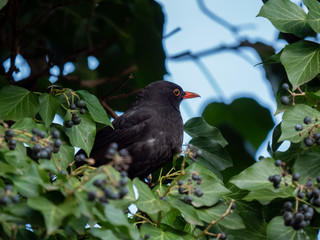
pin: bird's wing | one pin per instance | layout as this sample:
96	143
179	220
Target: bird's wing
126	131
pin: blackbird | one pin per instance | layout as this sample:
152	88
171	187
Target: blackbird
151	130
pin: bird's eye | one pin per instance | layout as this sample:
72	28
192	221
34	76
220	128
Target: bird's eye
176	92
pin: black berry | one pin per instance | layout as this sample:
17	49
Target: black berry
91	196
295	176
300	195
108	193
98	182
188	199
123	192
57	143
278	163
287	206
82	111
285	86
81	103
68	124
180	182
73	106
223	236
307	120
76	121
308	141
9	133
285	100
298	127
55	134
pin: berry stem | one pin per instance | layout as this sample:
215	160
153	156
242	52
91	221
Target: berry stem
227	212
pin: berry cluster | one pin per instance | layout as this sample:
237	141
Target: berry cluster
43	147
310	192
188	188
314	137
275	179
7	196
121	159
8	137
106	193
193	153
75	119
297	219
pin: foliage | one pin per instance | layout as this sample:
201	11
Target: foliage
215	188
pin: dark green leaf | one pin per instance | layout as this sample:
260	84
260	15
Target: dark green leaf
198	127
301	62
276	230
286	16
3	3
147	202
48	108
82	135
65	156
53	214
313	17
231	221
212	152
157	233
17	103
308	166
96	111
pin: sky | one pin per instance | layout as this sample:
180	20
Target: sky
232	75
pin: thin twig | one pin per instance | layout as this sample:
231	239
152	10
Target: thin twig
109	110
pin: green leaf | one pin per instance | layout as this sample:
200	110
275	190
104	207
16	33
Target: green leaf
294	116
313	17
17	103
82	135
301	61
158	233
287	17
96	111
265	196
65	156
53	214
256	176
117	218
3	3
147	202
212	152
231	221
102	234
210	185
308	166
48	108
276	230
198	127
189	212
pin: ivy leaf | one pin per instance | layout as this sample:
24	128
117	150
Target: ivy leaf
276	230
301	62
48	108
65	155
147	202
294	116
210	185
313	17
212	152
3	3
256	176
189	212
83	134
117	218
198	127
265	196
103	234
158	233
53	214
307	165
17	103
231	221
287	17
96	111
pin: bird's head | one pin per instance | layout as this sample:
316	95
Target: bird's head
164	93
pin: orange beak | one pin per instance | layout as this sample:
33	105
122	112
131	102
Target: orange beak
190	95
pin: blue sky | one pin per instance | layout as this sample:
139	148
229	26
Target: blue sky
234	73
